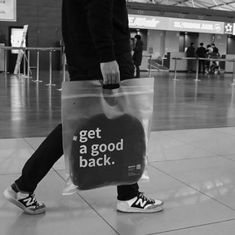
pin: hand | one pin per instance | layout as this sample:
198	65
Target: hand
110	72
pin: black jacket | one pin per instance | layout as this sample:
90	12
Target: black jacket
201	52
138	50
190	51
94	31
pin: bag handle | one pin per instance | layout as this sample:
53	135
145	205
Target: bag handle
111	86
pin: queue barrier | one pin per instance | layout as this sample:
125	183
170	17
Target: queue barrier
197	65
50	50
28	50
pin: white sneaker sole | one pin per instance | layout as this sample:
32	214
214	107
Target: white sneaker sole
18	204
136	210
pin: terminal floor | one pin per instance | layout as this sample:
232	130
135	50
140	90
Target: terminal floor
191	162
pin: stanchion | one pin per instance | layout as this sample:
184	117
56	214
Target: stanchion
64	69
28	64
150	59
233	84
5	62
50	70
24	64
175	67
197	71
38	64
196	91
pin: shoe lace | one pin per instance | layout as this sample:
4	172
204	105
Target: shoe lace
149	200
34	200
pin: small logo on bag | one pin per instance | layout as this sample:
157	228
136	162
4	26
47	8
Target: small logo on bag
138	167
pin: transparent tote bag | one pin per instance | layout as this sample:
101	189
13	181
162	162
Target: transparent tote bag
105	132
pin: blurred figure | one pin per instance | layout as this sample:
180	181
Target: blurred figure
215	49
190	52
137	56
201	53
214	65
209	50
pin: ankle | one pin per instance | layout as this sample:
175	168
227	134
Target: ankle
15	188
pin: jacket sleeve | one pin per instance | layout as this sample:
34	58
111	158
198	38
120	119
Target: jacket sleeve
100	22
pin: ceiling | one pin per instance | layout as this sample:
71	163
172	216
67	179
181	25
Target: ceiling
225	5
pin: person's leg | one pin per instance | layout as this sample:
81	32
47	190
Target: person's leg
138	71
203	66
129	197
200	66
21	193
127	192
190	69
42	160
127	69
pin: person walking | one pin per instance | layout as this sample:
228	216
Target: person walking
138	53
97	46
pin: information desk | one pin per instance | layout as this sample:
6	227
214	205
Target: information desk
176	59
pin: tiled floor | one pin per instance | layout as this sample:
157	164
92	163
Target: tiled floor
193	171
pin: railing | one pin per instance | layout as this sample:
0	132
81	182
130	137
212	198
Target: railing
197	65
28	50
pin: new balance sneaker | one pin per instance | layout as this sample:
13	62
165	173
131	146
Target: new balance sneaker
27	202
140	204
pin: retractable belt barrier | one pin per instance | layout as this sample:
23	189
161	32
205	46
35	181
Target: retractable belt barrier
28	50
197	65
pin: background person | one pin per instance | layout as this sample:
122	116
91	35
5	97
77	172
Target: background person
190	52
201	53
138	53
214	65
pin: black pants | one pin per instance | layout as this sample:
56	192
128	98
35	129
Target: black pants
51	149
137	68
201	68
190	65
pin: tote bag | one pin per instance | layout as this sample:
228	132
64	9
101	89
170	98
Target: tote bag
105	132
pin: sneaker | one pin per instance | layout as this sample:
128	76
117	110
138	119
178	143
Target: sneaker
27	202
140	204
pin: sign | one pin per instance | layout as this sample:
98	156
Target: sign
7	10
233	28
16	35
228	28
21	52
146	22
175	24
198	26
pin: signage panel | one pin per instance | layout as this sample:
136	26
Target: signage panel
198	26
228	28
21	52
175	24
7	10
233	28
